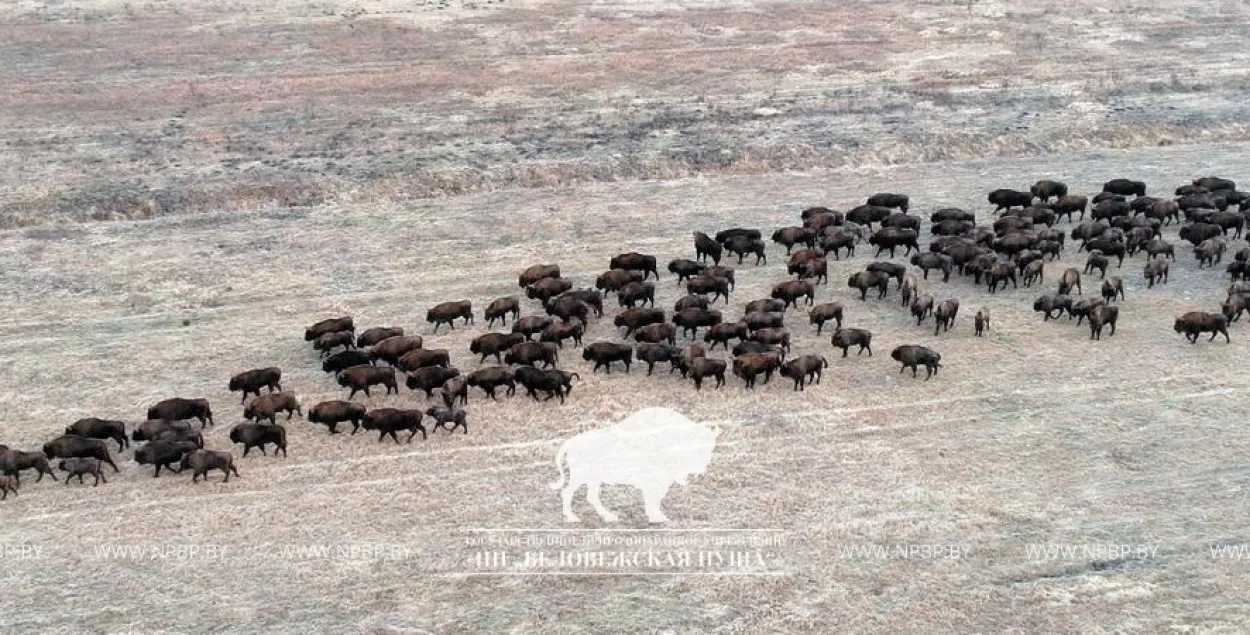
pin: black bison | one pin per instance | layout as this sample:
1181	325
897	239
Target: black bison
634	319
931	260
447	312
705	247
360	378
1097	262
332	325
571	308
557	333
591	297
423	358
1001	272
913	356
330	341
163	454
702	367
13	462
332	413
690	320
1198	232
791	236
1156	269
604	353
921	308
944	315
7	484
1112	288
531	325
345	359
1068	204
430	378
69	446
1046	188
867	214
652	354
535	273
499	308
392	349
1213	183
530	353
725	235
94	428
257	435
1048	305
764	320
388	421
1102	315
1007	199
448	418
704	284
750	366
201	461
1033	272
377	334
822	313
791	290
848	337
865	280
456	388
547	288
252	381
535	380
268	406
81	468
490	378
685	268
741	246
1194	323
155	429
634	261
1125	187
981	322
636	293
892	238
177	409
765	305
803	369
1234	305
726	273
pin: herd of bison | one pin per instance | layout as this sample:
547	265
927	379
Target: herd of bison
1123	221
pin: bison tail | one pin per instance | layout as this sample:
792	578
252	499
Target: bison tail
559	483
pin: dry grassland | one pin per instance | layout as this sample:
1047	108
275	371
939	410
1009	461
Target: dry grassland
1031	435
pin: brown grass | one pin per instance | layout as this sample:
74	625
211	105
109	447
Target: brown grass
299	161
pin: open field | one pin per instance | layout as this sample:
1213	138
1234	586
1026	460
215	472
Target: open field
268	167
1033	434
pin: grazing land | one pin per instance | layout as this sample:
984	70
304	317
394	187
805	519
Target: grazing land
268	167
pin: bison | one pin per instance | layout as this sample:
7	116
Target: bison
705	247
653	354
449	418
1112	288
604	353
822	313
256	435
332	413
892	237
1007	198
547	288
865	280
1102	315
447	312
800	369
791	236
13	462
345	359
201	461
360	378
848	337
252	381
1125	187
424	357
944	315
742	246
636	293
690	320
656	333
178	408
163	454
81	468
268	406
392	349
1046	188
68	446
535	273
499	308
750	366
388	421
634	319
1156	269
705	283
455	388
791	290
1047	305
1194	323
702	367
330	341
531	325
557	333
685	268
912	356
1070	279
94	428
490	378
937	261
634	261
529	353
430	378
332	325
377	334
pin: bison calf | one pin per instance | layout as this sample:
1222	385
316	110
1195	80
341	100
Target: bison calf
81	468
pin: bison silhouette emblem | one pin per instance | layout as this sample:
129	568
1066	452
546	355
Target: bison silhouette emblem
650	449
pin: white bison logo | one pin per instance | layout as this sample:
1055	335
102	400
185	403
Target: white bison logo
651	449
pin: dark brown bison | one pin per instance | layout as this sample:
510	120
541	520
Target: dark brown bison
1033	272
835	242
252	381
921	308
258	435
604	353
495	344
94	428
268	406
429	379
764	320
702	367
81	468
163	454
499	308
201	461
1008	198
1097	262
931	260
360	378
1047	305
657	333
725	235
775	336
392	349
557	333
447	312
791	236
1210	251
547	288
791	290
1100	316
726	273
1197	232
887	199
530	353
13	462
892	238
1071	279
1080	309
1046	188
981	322
388	421
636	293
332	325
741	246
611	281
535	273
1068	204
490	378
634	319
690	320
345	359
531	325
750	366
1213	183
634	261
913	356
177	409
705	247
865	280
823	313
685	362
332	413
377	334
652	354
330	341
685	268
867	214
68	446
423	357
892	269
7	484
764	305
704	284
1112	288
456	388
848	337
591	297
952	213
569	308
1195	323
804	369
448	418
944	315
1125	187
154	429
1156	269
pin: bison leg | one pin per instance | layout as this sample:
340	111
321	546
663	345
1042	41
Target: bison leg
246	448
592	497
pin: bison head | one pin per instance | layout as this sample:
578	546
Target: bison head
236	435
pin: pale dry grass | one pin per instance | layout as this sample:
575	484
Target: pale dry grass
1030	435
